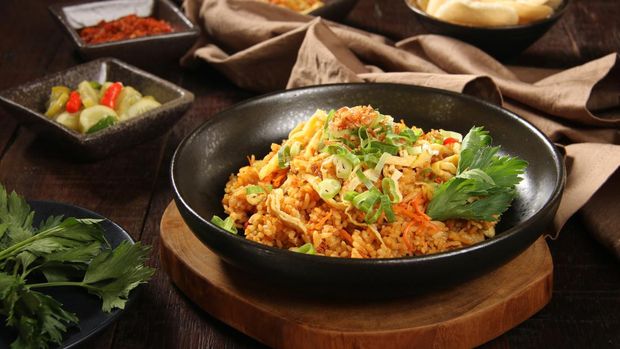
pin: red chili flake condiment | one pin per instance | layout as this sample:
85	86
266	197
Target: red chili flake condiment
124	28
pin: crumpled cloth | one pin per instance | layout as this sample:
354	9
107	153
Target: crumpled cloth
263	48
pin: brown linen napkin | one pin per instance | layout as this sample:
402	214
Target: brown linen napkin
264	48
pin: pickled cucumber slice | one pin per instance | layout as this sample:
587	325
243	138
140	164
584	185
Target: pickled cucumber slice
89	95
58	99
103	123
69	120
142	106
128	97
91	116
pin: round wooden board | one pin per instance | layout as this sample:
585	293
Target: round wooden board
464	316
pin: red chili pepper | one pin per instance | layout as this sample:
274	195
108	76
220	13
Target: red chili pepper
74	102
110	95
449	140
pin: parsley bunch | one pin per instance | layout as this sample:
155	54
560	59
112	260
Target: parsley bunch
484	185
60	252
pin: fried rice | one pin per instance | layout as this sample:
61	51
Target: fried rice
311	192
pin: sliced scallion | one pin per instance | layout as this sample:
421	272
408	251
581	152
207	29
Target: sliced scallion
254	189
362	177
381	162
350	195
295	148
226	224
390	189
284	156
306	248
386	208
254	194
366	200
328	188
343	166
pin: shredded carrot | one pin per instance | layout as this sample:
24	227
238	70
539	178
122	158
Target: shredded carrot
406	238
345	235
322	221
279	179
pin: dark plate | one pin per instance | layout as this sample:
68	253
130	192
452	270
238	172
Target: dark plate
27	103
148	50
500	42
204	161
334	9
87	307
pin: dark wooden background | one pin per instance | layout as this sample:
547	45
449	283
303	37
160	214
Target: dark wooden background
132	187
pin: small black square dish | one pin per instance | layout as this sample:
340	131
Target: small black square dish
27	103
139	50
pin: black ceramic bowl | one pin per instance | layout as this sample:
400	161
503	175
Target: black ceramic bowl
205	159
27	103
500	42
147	50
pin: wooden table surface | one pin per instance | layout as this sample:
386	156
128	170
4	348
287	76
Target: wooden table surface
132	187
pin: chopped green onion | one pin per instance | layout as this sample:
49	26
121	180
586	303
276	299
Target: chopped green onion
386	207
405	137
328	188
306	248
336	149
284	156
370	159
362	133
226	224
343	166
391	190
366	200
411	135
381	162
384	147
295	149
362	177
94	84
254	189
373	215
330	116
350	195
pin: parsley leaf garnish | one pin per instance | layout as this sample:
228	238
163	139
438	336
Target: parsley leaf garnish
484	185
64	252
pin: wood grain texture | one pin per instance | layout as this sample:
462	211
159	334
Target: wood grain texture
460	317
133	188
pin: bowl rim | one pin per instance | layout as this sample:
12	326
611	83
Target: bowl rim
507	234
555	16
190	31
185	96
